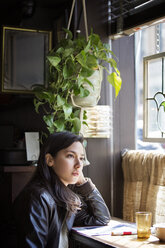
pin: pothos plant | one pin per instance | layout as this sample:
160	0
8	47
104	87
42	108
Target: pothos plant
70	65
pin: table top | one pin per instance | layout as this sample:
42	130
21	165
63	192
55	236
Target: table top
129	241
123	241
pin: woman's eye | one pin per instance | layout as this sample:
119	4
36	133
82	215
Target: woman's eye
70	156
82	159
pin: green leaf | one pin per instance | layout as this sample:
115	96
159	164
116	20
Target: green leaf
60	50
54	60
112	62
48	96
80	43
59	124
70	36
89	82
67	108
85	123
85	115
95	39
68	69
37	104
87	48
84	92
82	58
48	119
76	125
60	101
51	129
163	104
37	88
86	72
106	46
102	55
76	90
91	61
80	81
115	81
67	52
76	113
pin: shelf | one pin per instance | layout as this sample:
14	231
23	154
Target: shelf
20	168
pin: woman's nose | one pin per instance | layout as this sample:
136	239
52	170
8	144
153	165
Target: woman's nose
78	162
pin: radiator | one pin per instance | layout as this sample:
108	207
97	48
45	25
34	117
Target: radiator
144	184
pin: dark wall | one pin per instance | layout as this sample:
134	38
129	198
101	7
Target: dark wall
124	115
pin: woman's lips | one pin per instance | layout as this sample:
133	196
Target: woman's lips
75	174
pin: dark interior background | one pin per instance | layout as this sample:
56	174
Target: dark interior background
17	113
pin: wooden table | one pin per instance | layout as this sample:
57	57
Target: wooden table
103	241
130	241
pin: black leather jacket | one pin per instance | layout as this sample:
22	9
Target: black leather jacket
39	219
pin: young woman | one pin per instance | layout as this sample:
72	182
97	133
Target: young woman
58	196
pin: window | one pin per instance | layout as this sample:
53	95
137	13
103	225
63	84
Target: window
148	41
154	97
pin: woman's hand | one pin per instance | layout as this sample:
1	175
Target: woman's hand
81	179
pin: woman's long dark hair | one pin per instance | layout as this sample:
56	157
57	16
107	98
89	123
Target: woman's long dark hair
61	193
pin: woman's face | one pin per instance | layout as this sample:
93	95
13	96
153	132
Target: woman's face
68	163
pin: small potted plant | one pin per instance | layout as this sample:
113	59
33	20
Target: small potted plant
72	65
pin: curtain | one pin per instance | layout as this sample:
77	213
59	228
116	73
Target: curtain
144	184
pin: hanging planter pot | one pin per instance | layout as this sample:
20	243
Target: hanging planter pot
94	92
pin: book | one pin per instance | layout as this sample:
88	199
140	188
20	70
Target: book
113	228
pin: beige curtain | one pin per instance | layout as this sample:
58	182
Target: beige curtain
144	184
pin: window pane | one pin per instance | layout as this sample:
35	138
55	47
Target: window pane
153	130
154	77
153	95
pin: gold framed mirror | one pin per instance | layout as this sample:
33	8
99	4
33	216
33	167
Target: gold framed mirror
24	58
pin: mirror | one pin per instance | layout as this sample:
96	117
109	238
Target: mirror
24	58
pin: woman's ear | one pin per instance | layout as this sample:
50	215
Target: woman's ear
49	159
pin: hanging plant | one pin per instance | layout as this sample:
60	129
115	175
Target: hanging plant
70	67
